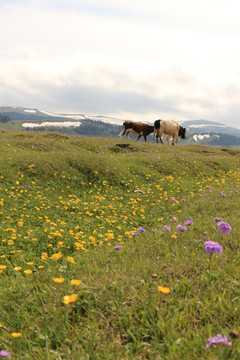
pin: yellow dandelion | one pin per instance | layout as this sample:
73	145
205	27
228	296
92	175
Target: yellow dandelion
30	263
70	299
16	334
173	236
41	267
3	267
76	282
28	271
163	290
58	280
70	259
17	268
20	223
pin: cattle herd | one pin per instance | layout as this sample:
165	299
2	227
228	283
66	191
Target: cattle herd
161	128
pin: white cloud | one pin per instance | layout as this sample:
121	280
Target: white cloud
135	59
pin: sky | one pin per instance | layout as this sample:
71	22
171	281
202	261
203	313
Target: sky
131	59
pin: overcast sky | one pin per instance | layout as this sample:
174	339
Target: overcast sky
132	59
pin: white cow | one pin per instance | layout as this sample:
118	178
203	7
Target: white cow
169	127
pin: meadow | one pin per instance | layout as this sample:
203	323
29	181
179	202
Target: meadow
102	250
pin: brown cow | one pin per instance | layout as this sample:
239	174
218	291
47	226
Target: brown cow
137	128
169	127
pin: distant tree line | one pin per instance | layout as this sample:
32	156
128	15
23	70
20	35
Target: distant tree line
4	118
98	129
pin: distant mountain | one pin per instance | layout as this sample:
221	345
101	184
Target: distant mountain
202	132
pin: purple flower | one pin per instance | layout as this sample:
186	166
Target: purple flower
224	195
181	228
117	247
188	222
174	220
173	200
167	228
183	200
133	234
4	353
224	227
219	339
216	219
154	230
141	229
212	247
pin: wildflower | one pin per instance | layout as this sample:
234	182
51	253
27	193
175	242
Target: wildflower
16	334
224	195
69	299
188	222
219	339
212	247
163	290
174	236
3	267
174	220
117	247
141	229
58	280
181	228
133	234
216	219
173	200
224	227
4	353
70	259
153	230
28	271
76	282
167	228
17	268
183	200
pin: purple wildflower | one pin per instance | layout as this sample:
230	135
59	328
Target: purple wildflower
4	353
183	200
224	195
167	228
181	228
219	339
117	247
224	227
217	219
212	247
188	222
133	234
174	220
154	230
173	200
141	229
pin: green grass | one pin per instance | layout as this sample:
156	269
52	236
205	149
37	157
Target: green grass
66	201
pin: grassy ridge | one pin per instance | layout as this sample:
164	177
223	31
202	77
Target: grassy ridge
67	201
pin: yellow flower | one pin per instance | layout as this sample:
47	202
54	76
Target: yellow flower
70	259
58	280
28	272
30	263
163	290
17	268
16	335
69	299
44	256
41	267
76	282
173	236
160	220
20	223
3	267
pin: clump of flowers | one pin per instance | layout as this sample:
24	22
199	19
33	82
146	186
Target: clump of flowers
224	227
167	228
212	247
188	222
141	229
163	290
181	228
219	339
4	353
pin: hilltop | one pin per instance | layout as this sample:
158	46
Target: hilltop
202	132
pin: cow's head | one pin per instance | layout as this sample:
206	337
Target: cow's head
182	132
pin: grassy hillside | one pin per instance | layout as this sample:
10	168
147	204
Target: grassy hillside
90	230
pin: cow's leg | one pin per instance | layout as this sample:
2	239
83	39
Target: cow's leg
145	138
138	137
